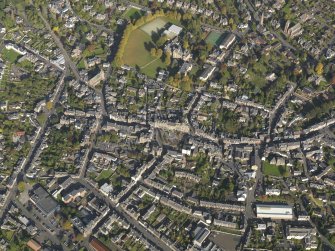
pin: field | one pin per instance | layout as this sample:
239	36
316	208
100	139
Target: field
81	64
154	26
273	170
133	13
104	175
153	67
137	51
10	55
214	38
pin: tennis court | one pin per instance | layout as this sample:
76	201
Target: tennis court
154	26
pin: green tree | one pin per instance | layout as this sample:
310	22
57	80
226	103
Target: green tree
21	186
186	84
186	44
153	52
159	53
67	225
224	10
162	40
319	68
167	58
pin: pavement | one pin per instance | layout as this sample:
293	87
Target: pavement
249	213
19	174
42	224
40	221
320	235
98	26
103	113
279	104
252	9
134	223
60	46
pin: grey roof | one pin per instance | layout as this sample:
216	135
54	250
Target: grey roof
43	200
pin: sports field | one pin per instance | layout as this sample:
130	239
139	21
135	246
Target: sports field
137	51
214	38
154	26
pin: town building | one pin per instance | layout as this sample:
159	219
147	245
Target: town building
274	211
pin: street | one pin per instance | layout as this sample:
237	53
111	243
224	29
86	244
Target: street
19	175
153	239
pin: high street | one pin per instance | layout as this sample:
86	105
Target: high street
102	113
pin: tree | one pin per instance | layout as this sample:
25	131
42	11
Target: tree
187	16
223	67
224	10
230	21
175	81
153	52
67	225
79	237
49	105
186	44
332	81
319	68
21	186
161	40
91	48
167	58
185	84
159	53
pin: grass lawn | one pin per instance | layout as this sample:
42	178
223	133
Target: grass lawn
81	64
27	65
99	51
316	201
136	54
214	38
10	55
258	79
152	68
153	217
137	50
41	118
273	170
105	174
8	234
133	13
